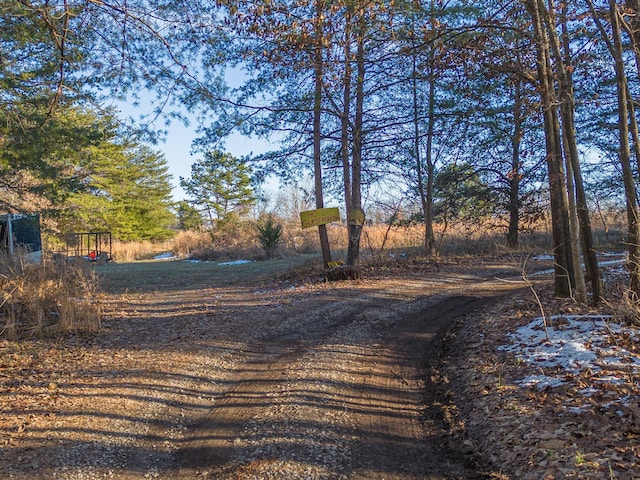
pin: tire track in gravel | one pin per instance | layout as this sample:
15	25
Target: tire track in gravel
340	397
218	436
404	446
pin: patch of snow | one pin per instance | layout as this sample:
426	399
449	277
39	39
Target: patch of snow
589	391
542	272
236	262
620	261
575	343
542	258
165	256
618	274
222	264
612	379
628	400
540	381
611	263
578	410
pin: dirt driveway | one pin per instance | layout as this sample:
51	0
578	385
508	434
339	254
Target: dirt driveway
248	379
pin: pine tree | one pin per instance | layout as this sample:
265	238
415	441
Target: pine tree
128	193
189	217
221	185
39	154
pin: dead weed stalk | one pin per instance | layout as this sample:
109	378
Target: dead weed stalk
527	281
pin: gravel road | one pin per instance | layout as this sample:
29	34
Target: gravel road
247	382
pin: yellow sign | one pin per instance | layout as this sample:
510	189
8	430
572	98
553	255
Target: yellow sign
313	218
356	217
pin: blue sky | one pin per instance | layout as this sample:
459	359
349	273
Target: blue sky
177	147
176	150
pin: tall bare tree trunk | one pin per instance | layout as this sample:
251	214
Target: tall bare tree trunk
317	110
425	187
625	110
633	126
580	224
564	271
346	111
355	220
625	154
574	224
426	192
631	24
586	232
514	180
632	27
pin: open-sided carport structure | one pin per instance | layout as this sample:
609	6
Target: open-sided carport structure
94	246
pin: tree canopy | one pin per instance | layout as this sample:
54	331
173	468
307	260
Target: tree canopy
526	93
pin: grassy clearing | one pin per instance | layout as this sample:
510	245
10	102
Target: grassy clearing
381	246
149	276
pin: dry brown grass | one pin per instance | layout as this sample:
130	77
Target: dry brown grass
185	243
138	250
239	241
46	299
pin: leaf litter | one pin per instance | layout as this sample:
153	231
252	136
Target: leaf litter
553	397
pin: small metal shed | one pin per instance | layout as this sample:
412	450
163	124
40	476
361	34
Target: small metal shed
21	233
